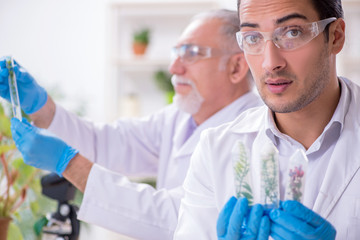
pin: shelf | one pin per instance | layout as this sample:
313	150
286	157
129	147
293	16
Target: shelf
134	75
156	9
140	63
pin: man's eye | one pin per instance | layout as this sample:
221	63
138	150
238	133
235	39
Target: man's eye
252	39
293	33
191	53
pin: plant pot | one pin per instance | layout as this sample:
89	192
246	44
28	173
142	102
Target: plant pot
4	226
139	48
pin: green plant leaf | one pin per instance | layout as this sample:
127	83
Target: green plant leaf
38	226
25	170
1	110
247	187
247	195
4	125
142	36
163	81
14	232
6	148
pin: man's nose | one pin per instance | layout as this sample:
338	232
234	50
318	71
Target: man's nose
176	66
273	59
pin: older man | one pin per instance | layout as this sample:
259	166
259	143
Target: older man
212	84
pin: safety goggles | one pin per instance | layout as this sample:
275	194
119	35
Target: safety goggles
287	38
190	53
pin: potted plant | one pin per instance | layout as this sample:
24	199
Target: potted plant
141	40
19	188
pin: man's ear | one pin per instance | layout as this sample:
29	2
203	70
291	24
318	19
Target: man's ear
337	35
237	68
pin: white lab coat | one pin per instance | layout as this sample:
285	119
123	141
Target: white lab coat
210	180
132	147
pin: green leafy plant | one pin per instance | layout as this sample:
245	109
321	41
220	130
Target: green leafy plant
241	167
20	189
142	36
163	81
270	177
15	186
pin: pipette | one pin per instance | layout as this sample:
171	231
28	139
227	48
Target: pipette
14	94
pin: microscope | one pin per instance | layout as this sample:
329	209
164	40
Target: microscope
62	224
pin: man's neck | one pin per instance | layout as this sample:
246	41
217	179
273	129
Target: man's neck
307	124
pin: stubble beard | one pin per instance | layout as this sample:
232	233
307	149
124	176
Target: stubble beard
319	80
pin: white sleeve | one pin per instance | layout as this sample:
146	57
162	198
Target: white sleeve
198	212
136	210
129	146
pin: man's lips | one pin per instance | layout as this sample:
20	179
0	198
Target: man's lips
277	85
182	88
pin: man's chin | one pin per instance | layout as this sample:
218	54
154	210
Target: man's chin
187	105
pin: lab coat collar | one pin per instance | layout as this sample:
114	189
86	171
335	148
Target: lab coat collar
336	122
343	164
255	124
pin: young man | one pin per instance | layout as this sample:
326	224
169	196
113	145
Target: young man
211	80
291	49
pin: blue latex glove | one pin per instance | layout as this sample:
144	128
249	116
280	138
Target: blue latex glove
295	221
39	148
231	217
32	96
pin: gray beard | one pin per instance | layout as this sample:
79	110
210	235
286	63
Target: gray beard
191	102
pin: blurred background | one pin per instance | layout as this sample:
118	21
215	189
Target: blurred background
82	52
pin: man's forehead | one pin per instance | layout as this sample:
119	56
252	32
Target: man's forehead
271	11
199	31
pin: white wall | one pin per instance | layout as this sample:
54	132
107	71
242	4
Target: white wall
61	43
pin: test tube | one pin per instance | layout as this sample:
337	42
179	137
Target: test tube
241	167
296	176
269	194
14	94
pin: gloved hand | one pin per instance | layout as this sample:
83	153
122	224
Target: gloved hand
231	217
39	148
32	96
295	221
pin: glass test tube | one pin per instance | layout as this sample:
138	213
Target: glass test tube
296	176
270	176
14	94
241	167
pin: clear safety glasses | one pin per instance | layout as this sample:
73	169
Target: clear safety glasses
287	38
190	53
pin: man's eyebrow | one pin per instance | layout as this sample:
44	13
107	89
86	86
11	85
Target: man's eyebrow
252	25
278	21
290	16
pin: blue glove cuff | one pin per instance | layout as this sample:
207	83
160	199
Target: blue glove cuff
38	103
69	154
